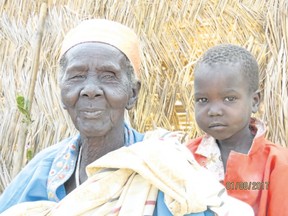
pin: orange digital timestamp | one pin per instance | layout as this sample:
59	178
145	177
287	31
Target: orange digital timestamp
247	185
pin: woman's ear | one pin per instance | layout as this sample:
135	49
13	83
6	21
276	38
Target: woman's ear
256	98
61	98
63	105
133	99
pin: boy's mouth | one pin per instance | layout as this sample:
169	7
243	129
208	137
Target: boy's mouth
216	124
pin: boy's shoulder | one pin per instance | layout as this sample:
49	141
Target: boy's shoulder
276	150
262	143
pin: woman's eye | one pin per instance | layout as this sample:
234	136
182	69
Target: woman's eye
76	77
108	76
80	76
73	77
230	99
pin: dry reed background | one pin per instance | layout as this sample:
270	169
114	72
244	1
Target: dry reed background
173	35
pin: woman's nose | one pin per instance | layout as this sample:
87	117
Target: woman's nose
91	89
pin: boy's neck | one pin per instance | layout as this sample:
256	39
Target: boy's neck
239	142
242	145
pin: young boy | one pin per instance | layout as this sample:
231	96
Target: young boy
234	147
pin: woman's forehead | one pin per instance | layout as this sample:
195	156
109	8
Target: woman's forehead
100	50
95	47
98	56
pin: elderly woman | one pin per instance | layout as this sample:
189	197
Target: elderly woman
98	80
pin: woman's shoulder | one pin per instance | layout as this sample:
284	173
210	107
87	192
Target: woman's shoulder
48	154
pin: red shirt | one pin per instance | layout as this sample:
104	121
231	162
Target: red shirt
259	178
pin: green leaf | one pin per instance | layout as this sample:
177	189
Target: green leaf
22	105
29	154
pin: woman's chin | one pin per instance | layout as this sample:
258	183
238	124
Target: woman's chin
94	129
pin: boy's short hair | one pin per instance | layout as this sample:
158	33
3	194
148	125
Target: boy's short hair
228	53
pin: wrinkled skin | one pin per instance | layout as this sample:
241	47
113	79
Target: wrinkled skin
223	106
95	90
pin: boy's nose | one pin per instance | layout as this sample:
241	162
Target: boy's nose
215	110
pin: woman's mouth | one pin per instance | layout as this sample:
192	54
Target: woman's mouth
92	114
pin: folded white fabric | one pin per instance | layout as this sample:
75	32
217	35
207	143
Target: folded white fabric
126	182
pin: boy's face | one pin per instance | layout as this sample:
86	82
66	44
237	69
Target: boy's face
223	103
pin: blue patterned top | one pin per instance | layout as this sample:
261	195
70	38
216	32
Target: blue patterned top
44	176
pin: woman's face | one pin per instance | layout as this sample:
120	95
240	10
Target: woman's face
95	88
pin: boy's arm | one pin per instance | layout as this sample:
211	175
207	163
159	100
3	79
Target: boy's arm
278	191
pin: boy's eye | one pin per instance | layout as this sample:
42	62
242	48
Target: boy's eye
201	100
230	98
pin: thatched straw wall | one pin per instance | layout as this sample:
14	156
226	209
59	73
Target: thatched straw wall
173	35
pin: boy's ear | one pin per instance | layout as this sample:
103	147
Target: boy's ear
256	98
133	99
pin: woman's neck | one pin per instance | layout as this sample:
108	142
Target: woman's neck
95	147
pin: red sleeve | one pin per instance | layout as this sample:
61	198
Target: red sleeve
275	201
278	190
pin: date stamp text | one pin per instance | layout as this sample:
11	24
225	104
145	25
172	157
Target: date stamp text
247	185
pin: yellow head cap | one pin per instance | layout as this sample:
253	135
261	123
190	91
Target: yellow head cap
109	32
